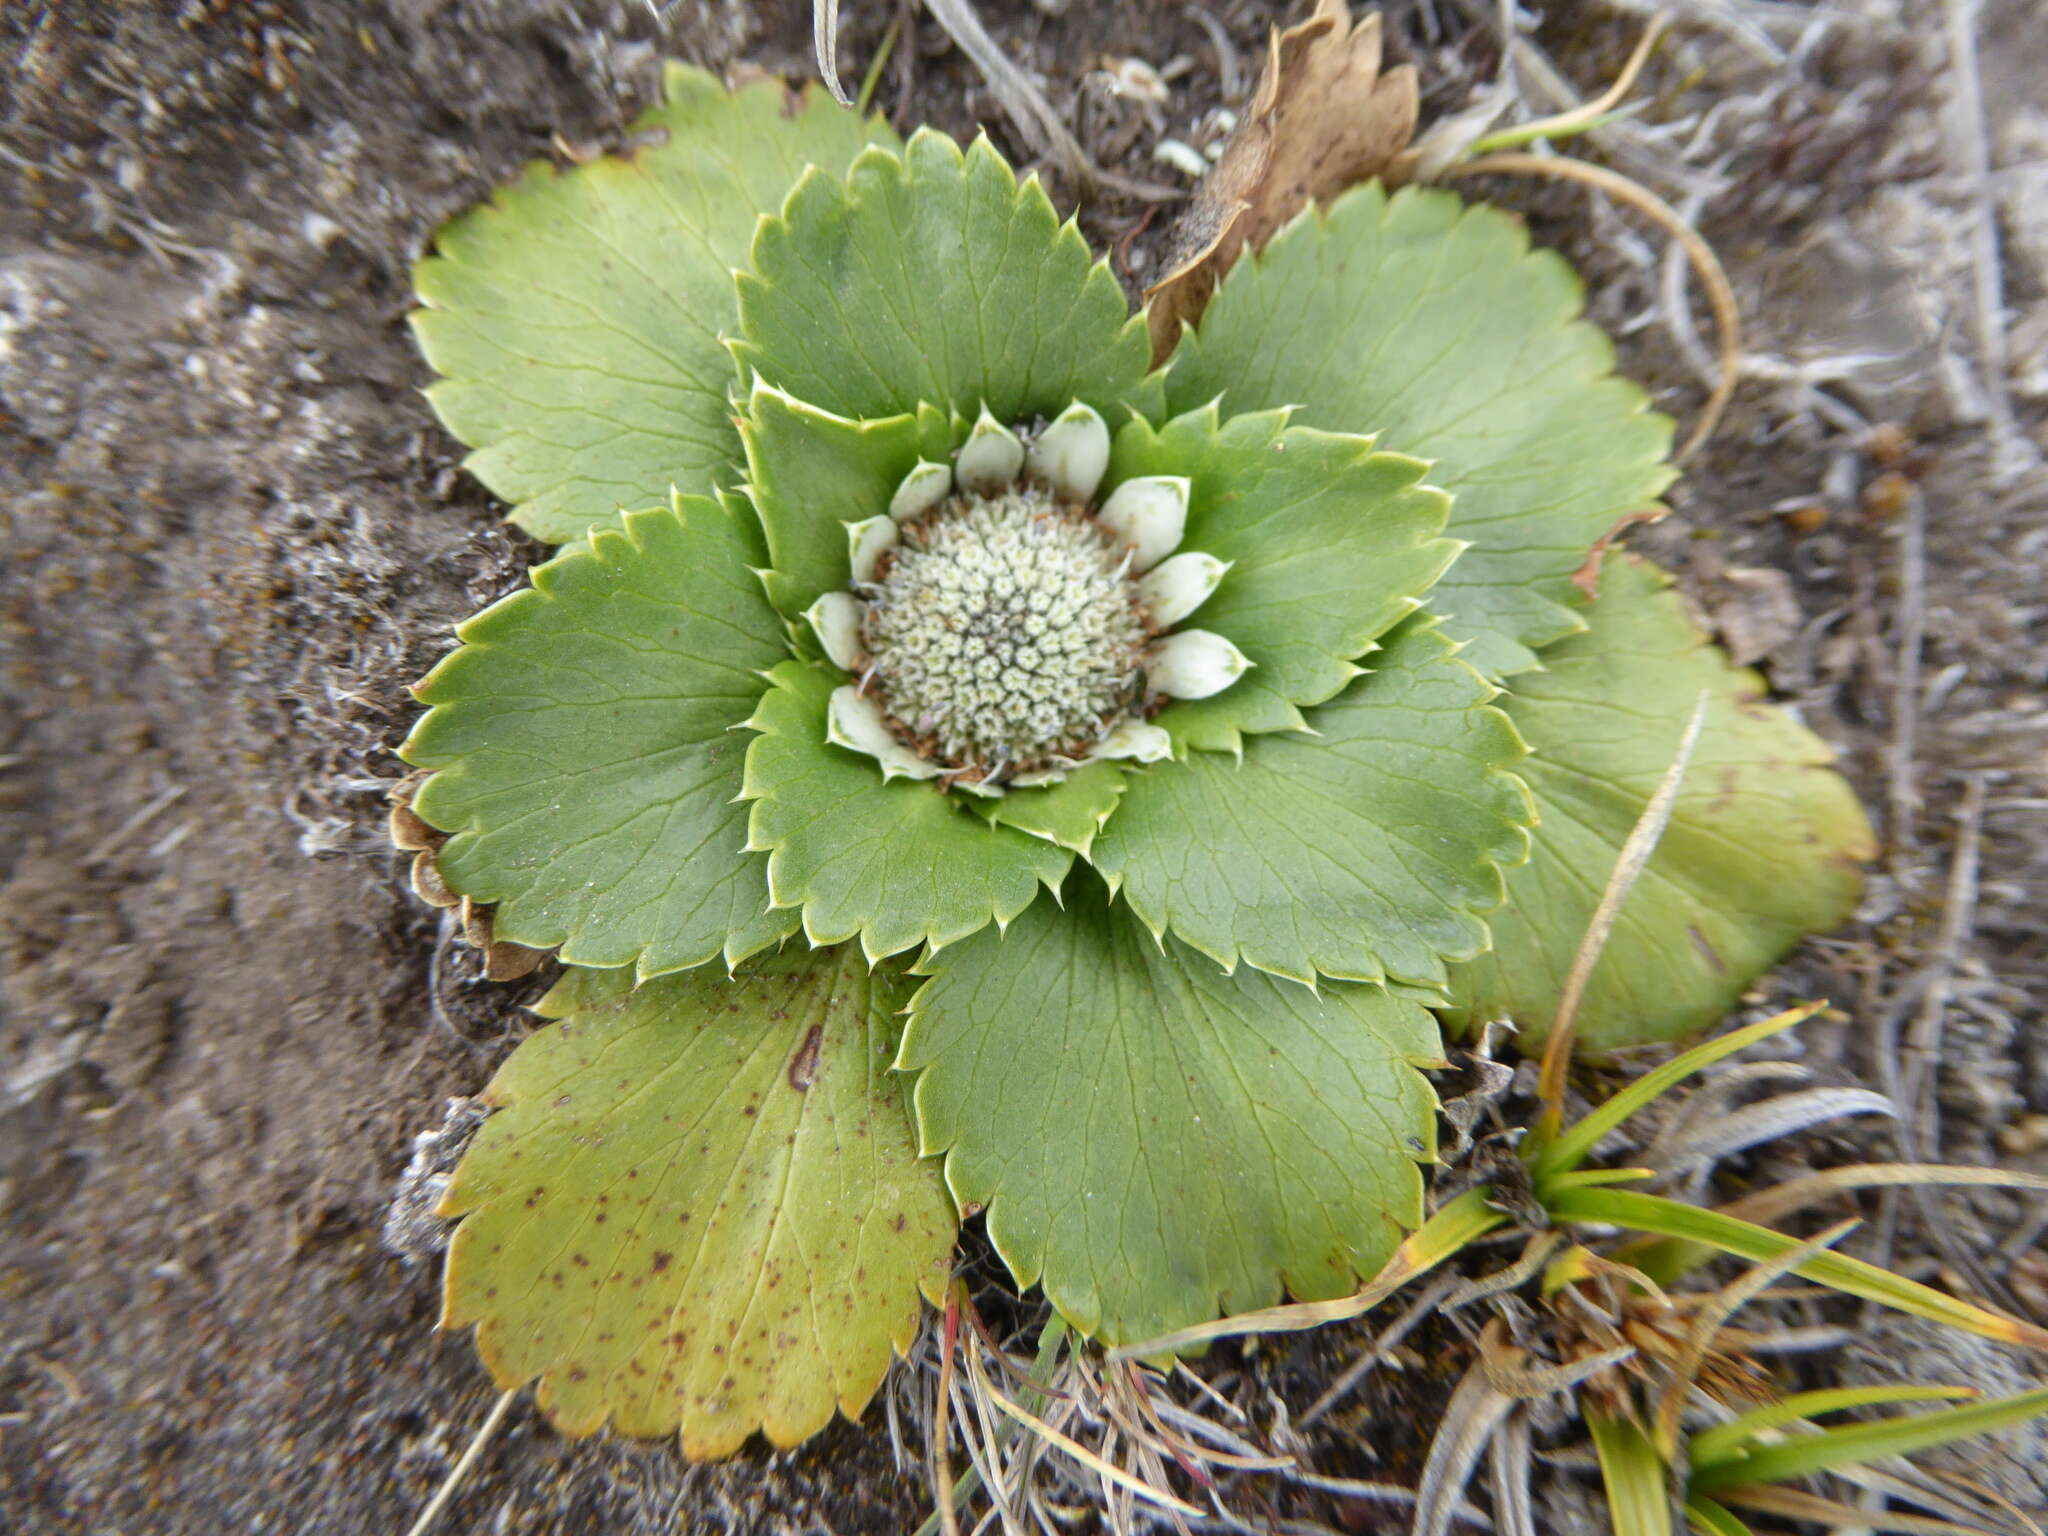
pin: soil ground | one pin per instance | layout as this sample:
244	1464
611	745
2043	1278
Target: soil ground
234	533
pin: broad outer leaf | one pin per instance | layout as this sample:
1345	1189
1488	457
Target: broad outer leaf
587	752
699	1205
1330	544
1433	325
1156	1142
1762	848
901	862
811	473
578	315
1365	851
936	277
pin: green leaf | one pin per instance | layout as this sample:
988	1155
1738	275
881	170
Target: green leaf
1367	850
810	473
699	1206
1599	1178
1155	1141
901	862
1632	1475
585	748
1711	1519
1857	1444
1578	1140
1433	325
1070	813
578	315
1722	1442
936	277
1745	1239
1331	544
1762	848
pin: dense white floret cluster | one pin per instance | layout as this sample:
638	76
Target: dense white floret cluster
1005	631
1006	628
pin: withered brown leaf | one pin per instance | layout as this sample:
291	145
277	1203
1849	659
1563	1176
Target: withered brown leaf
1322	119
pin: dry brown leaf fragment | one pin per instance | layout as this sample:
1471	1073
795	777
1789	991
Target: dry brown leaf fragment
1323	118
503	960
1755	612
1587	577
408	833
427	883
476	924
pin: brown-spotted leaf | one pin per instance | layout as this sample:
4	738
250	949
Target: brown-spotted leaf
699	1205
1323	118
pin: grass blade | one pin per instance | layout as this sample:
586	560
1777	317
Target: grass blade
1796	1194
1684	1369
1162	1497
1633	1473
1669	1259
1585	117
1854	1444
1600	1178
1563	1155
1711	1519
1572	1145
1670	1218
1628	866
1848	1517
1458	1224
1051	1339
1725	1440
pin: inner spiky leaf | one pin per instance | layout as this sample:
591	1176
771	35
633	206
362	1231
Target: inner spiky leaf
1005	633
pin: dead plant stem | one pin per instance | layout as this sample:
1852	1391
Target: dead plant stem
1972	150
1635	854
437	1505
1905	768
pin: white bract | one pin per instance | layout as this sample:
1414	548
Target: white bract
1004	630
1151	515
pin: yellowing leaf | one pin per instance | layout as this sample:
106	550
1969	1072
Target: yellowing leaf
1763	847
700	1205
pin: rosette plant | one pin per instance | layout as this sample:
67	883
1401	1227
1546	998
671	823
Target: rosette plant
967	770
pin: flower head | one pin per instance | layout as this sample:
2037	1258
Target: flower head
1007	630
